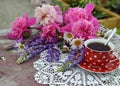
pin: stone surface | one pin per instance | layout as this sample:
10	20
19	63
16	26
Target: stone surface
12	74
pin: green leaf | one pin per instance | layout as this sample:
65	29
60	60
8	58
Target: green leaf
61	45
64	67
55	2
22	59
118	31
26	35
100	15
58	33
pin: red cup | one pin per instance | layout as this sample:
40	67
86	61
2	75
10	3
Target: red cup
97	58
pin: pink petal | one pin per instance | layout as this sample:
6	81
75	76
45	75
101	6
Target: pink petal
20	34
93	20
26	18
38	27
57	26
29	21
59	18
10	36
32	21
67	28
89	8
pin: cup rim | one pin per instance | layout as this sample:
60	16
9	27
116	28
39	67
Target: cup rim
101	40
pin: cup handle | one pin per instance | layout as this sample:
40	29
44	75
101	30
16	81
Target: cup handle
112	56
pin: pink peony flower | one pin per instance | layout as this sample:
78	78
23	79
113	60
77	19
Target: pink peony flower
48	14
49	32
84	29
80	22
89	8
20	26
75	14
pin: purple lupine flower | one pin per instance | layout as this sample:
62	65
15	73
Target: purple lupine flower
81	56
52	55
75	56
11	46
35	46
30	52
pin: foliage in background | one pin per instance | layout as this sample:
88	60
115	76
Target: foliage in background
81	3
100	15
118	31
63	7
113	5
76	3
105	3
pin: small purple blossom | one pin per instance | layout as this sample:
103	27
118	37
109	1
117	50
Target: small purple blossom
52	55
75	56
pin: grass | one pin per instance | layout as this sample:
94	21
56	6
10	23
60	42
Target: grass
118	31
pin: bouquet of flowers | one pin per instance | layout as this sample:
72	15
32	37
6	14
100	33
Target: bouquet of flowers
56	33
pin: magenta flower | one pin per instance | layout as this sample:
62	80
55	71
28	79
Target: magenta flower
49	32
80	22
84	29
20	26
75	14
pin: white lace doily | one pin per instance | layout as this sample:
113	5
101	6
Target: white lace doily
47	72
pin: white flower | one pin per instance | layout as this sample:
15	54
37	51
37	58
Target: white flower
20	46
66	48
68	36
45	14
77	43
